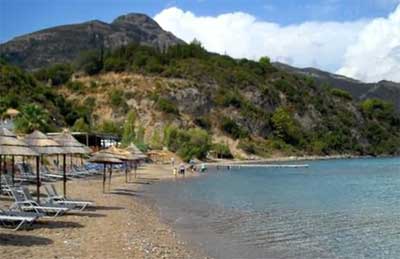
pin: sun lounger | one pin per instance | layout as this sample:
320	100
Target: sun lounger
25	202
53	196
27	174
16	219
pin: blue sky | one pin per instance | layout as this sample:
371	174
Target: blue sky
22	16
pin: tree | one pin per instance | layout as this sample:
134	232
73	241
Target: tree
285	126
128	136
81	126
265	61
32	117
155	141
91	62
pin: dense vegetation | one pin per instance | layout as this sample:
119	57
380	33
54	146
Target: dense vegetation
265	109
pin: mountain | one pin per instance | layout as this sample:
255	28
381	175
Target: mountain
385	90
152	90
64	43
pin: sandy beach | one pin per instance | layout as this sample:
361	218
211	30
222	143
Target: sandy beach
121	225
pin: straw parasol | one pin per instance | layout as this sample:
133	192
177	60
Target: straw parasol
133	149
123	155
44	145
105	158
10	145
10	112
70	144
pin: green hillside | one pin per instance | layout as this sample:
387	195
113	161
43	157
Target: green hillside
200	96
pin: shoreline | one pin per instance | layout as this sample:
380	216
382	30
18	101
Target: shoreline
225	162
122	224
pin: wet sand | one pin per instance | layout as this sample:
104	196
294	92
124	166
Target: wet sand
121	224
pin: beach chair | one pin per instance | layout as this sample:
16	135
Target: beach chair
53	196
24	202
27	174
16	219
46	172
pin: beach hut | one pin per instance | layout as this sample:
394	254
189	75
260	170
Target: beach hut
105	159
11	146
44	146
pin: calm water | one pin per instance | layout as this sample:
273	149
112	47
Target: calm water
333	209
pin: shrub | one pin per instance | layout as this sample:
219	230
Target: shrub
192	143
232	128
58	74
221	150
167	106
285	127
341	94
91	62
81	126
75	86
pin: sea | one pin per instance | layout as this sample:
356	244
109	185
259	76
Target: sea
332	209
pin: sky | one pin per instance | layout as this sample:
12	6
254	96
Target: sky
356	38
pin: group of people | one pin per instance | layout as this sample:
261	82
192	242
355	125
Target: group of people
181	169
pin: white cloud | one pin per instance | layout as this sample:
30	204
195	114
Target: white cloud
326	45
242	35
376	54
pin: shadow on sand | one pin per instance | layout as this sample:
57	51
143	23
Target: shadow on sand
56	224
86	214
94	208
126	192
23	240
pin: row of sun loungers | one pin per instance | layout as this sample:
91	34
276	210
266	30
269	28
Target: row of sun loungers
26	210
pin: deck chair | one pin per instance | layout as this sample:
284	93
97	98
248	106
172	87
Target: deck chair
54	197
24	202
17	219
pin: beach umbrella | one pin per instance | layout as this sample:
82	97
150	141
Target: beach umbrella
134	150
44	145
10	145
105	159
70	145
123	155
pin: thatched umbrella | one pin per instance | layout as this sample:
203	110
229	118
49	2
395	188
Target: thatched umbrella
10	145
135	151
43	145
71	145
123	155
105	158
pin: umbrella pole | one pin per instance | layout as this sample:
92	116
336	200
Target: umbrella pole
71	162
38	179
109	182
126	171
64	174
104	177
1	169
12	170
135	166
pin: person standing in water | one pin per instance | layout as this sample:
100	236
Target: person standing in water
182	169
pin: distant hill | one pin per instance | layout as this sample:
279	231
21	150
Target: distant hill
389	91
64	43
